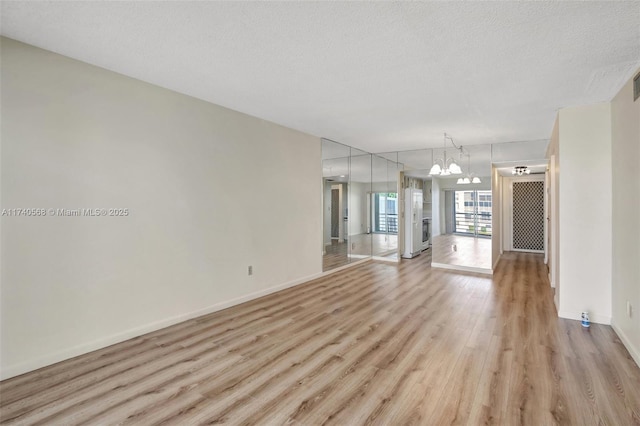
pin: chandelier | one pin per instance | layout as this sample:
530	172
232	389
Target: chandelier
449	166
520	170
470	178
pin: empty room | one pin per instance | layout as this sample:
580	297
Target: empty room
309	213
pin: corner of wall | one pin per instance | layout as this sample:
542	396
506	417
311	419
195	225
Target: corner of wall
627	342
625	192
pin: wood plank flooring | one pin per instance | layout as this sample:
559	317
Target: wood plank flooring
474	252
374	344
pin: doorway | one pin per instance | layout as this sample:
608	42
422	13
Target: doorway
337	205
335	213
528	216
524	214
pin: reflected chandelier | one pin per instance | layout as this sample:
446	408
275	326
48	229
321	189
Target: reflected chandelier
470	178
449	166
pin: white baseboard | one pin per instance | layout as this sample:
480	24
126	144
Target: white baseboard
496	262
83	348
358	256
386	259
343	267
595	318
462	268
633	351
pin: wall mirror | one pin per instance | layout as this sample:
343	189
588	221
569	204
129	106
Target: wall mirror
385	206
462	211
335	181
360	205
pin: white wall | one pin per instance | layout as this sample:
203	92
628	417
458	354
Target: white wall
437	200
190	173
585	212
553	155
521	150
625	131
358	207
496	214
391	186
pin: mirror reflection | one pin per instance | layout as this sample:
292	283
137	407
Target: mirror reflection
416	237
335	178
435	203
453	217
360	205
359	246
462	206
384	208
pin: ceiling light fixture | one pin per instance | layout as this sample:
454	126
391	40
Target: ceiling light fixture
447	168
520	170
470	178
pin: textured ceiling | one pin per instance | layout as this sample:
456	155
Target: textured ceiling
379	76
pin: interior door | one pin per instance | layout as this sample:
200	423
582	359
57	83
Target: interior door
528	216
335	213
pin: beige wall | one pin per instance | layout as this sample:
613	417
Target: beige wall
554	212
625	132
585	212
497	219
190	173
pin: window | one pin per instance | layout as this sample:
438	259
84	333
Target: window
385	212
472	213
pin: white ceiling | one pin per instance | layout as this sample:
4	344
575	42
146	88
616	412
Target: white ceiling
380	76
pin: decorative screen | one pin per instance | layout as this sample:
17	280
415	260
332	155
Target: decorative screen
528	215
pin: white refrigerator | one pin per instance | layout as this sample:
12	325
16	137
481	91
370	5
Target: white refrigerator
412	222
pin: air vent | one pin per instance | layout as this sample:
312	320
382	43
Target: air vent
636	87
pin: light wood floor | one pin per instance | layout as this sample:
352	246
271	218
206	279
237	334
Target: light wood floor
470	251
375	344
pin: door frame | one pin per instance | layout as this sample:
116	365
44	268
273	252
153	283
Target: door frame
338	186
507	210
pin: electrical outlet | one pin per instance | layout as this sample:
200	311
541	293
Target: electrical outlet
629	309
353	246
250	270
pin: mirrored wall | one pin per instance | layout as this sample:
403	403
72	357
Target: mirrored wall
455	214
360	206
388	205
462	223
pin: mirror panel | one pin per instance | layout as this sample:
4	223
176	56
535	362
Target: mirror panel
393	211
381	211
359	205
462	212
335	179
